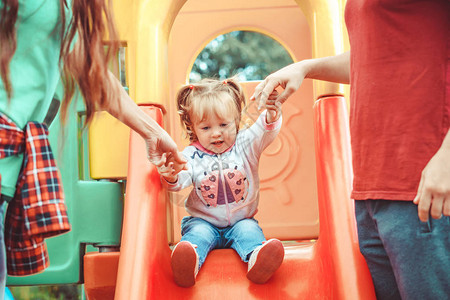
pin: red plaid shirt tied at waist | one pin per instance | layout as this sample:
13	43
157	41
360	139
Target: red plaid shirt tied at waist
37	210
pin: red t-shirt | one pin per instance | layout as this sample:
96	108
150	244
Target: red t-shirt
400	94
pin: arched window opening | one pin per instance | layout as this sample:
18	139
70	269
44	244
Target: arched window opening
248	54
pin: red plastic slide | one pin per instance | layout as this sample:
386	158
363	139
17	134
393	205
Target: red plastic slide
330	268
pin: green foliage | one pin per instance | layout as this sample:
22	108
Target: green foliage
47	292
250	55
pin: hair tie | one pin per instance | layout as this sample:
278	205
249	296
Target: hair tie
191	87
225	82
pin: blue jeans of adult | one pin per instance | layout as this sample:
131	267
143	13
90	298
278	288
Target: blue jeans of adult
407	258
2	251
244	236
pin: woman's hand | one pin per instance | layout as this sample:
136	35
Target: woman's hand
289	78
331	68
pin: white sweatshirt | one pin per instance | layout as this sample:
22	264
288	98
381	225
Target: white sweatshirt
234	171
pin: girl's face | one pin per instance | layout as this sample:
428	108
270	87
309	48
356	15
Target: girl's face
216	133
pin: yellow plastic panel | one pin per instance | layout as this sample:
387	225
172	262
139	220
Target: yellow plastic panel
146	64
108	138
329	35
108	147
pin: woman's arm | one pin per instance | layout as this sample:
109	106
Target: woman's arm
128	112
332	68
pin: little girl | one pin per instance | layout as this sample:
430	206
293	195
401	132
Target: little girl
223	169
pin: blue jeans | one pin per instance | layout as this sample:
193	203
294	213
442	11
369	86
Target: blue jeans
244	236
2	251
407	258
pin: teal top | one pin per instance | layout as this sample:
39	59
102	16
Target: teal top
34	73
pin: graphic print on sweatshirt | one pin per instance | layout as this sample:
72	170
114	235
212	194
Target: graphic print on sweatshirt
215	191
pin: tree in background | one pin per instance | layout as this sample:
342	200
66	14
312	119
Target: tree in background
47	292
248	54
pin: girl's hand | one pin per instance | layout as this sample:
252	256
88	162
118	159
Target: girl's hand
166	169
273	108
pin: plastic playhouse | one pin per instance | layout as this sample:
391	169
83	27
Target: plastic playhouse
119	246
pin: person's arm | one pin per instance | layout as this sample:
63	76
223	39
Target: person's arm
260	135
157	139
119	104
333	68
433	195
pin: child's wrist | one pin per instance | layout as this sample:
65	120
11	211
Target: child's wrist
171	180
272	116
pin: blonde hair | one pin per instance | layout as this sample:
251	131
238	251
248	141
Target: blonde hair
209	97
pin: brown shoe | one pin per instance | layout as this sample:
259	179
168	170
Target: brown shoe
265	260
184	264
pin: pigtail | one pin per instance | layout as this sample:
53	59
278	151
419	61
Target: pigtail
183	106
236	92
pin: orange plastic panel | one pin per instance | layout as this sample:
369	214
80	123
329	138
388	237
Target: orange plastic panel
100	274
331	268
145	253
288	205
338	235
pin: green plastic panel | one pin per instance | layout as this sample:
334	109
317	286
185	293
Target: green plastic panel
95	207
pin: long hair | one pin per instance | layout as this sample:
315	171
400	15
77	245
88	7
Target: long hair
198	101
8	42
86	66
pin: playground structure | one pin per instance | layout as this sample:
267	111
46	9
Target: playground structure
305	174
